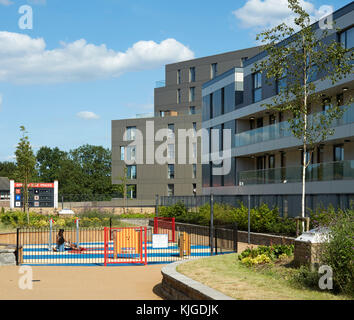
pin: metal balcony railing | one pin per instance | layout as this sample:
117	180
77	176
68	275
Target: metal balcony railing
282	129
325	171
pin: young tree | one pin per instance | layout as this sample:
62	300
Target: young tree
26	162
123	188
296	64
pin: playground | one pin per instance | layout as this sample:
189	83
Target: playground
109	246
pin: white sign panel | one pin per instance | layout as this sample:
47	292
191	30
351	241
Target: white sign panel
160	241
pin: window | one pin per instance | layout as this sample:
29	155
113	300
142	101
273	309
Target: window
192	74
170	190
131	172
122	153
257	86
346	38
171	151
194	128
222	100
171	171
171	131
194	186
211	105
192	110
338	153
214	70
178	76
178	96
131	150
194	172
131	191
194	146
131	133
191	94
281	84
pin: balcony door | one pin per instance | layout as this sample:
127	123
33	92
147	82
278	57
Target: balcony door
338	158
260	162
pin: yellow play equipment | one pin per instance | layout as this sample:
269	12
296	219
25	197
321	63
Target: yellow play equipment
126	241
184	244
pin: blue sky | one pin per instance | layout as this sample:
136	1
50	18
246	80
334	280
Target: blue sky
85	63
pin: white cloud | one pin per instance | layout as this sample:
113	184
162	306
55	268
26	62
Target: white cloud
258	14
6	2
87	115
26	60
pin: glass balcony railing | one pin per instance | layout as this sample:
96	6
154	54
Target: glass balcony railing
160	84
282	129
326	171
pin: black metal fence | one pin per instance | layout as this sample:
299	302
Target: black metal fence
288	205
86	246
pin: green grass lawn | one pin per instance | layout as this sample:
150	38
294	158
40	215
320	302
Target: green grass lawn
226	274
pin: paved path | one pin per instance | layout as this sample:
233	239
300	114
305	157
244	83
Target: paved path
83	283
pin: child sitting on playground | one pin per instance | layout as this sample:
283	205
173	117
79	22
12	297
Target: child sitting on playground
62	244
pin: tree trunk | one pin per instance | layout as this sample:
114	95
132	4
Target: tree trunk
303	187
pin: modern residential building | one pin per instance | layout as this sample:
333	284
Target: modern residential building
266	160
4	189
177	105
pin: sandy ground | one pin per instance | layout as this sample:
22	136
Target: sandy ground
86	283
83	283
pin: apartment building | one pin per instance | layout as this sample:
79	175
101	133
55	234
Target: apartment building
177	106
266	160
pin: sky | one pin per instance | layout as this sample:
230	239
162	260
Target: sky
67	68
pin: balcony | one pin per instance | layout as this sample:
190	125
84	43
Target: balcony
160	84
326	171
281	130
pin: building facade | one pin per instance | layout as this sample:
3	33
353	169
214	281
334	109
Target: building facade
177	106
266	160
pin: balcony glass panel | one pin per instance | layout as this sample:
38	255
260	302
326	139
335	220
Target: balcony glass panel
282	129
326	171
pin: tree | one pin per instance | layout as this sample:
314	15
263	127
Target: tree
8	169
122	188
26	161
295	64
95	164
49	163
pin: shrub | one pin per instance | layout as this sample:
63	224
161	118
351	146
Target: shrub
272	252
338	252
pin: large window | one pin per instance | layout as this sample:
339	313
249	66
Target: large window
222	100
192	94
171	151
131	191
171	131
281	84
131	172
194	173
347	38
170	190
131	152
192	74
257	86
214	70
192	110
131	131
171	171
122	153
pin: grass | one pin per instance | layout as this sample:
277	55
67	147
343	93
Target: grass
226	274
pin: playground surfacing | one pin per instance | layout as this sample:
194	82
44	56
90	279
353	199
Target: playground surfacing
92	253
82	283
